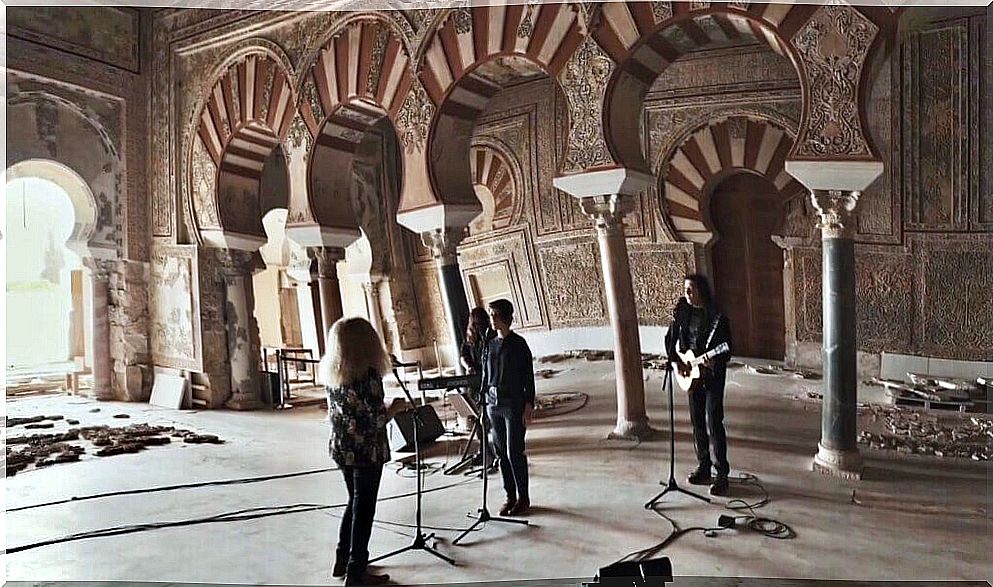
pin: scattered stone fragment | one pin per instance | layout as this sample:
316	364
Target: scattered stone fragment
94	410
202	439
40	425
545	373
925	434
121	416
764	370
72	422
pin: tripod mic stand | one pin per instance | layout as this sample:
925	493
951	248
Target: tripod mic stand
420	539
484	514
671	485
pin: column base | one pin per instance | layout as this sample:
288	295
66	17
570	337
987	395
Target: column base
628	430
846	464
243	402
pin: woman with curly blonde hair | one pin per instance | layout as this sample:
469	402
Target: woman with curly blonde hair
352	371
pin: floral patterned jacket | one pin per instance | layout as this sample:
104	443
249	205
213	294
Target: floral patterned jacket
358	423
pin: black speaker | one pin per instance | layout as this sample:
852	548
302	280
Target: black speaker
401	429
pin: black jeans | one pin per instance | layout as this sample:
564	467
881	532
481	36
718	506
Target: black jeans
507	428
707	415
356	523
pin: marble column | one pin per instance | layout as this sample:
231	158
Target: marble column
443	244
100	271
244	347
608	213
838	452
325	261
373	302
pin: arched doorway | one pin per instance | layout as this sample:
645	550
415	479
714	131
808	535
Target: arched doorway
51	215
748	266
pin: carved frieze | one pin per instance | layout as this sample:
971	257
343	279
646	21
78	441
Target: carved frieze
405	310
430	304
833	46
584	80
573	285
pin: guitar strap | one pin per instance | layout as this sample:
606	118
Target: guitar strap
713	330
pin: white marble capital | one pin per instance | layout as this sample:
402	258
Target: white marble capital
443	244
836	212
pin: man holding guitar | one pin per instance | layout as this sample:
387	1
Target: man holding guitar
699	345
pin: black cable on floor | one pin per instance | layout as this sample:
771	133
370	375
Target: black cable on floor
174	487
238	515
766	526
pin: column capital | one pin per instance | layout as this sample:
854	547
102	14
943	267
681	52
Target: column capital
836	212
607	212
327	260
443	244
100	269
235	263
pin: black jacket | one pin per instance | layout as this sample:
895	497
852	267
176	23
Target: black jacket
715	330
514	377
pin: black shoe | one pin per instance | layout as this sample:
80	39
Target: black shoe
521	509
508	506
720	486
699	477
367	578
340	566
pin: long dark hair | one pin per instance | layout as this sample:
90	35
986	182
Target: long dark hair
702	285
479	323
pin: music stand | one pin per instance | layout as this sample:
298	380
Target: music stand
484	514
671	485
420	539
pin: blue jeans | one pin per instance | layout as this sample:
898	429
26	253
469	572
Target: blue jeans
356	523
507	428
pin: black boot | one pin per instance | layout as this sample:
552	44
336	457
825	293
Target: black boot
340	565
701	476
720	486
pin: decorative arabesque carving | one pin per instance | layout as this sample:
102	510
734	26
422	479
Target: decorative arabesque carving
376	63
462	20
833	46
584	81
203	182
526	28
312	97
662	11
956	285
884	288
173	304
414	118
299	136
564	268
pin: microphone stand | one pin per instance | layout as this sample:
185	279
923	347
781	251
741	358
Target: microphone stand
671	485
420	539
484	514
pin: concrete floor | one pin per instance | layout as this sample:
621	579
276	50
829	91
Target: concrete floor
920	518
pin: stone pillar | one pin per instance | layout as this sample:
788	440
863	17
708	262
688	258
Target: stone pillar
242	330
608	213
835	187
325	261
442	244
373	304
100	271
838	451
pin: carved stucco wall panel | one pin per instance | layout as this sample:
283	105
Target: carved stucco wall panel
954	293
833	46
175	307
657	273
573	285
584	80
515	252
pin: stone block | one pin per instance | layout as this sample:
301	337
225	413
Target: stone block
959	369
896	366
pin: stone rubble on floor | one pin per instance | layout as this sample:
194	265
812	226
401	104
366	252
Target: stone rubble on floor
113	441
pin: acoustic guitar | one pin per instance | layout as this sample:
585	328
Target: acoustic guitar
687	381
